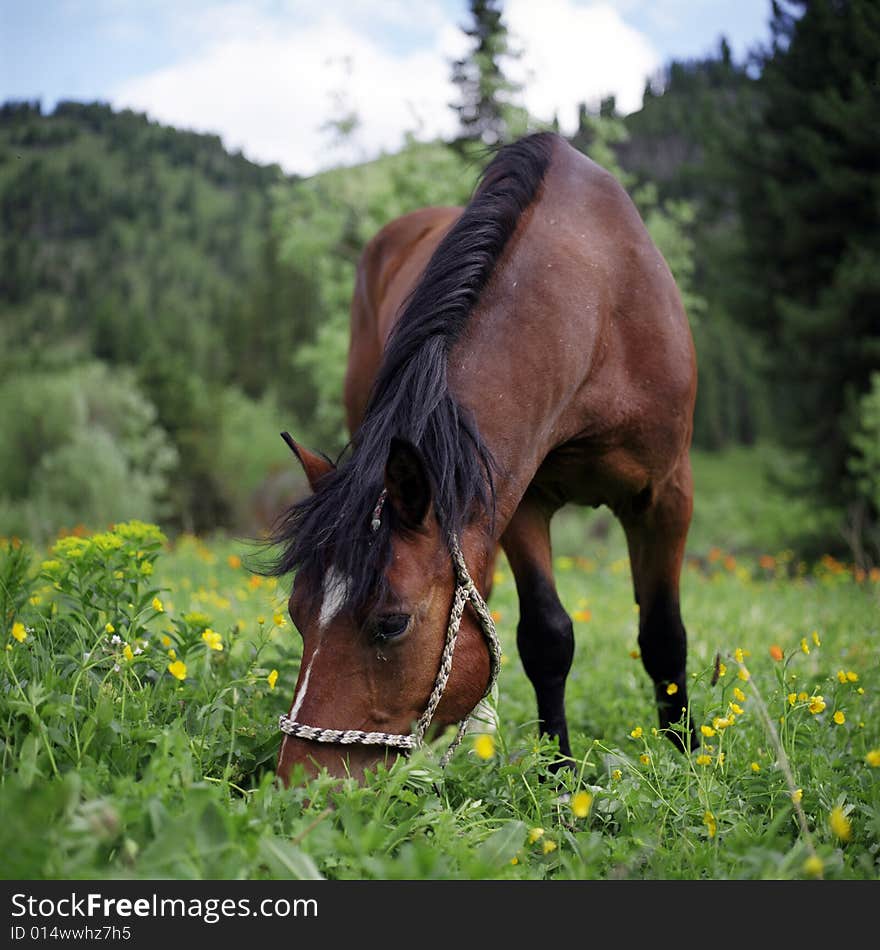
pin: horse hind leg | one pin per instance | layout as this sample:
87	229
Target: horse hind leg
544	635
656	534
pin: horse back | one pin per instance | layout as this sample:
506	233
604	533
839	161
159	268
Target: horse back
387	271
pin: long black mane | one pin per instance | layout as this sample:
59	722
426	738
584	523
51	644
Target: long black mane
410	398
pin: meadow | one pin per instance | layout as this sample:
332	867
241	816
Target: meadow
143	677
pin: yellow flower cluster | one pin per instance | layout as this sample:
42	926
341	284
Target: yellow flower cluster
213	639
484	746
580	804
178	670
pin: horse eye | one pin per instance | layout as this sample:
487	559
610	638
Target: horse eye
389	626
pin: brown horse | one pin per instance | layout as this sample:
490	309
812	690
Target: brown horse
527	351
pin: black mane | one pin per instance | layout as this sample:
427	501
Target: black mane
411	399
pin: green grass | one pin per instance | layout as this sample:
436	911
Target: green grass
130	772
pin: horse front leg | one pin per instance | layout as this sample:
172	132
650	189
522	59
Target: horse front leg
544	635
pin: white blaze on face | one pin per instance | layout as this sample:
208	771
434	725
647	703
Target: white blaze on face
334	591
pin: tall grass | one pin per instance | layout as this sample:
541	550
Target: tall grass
142	681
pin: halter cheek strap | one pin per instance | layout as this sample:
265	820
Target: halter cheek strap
465	592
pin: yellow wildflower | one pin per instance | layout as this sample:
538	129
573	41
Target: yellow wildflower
617	775
165	640
213	639
535	834
737	709
813	865
173	654
792	699
722	722
840	824
840	717
109	628
873	758
703	760
637	732
707	731
484	746
721	758
744	675
710	823
671	689
802	697
19	631
549	846
722	670
580	804
738	694
234	561
127	653
755	767
272	679
797	795
278	619
841	676
852	677
816	639
178	670
261	620
644	758
738	654
817	704
158	606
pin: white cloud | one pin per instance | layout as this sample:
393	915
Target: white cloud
269	89
267	78
575	53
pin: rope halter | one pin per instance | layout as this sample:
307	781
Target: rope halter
465	592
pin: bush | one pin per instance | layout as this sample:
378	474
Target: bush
80	446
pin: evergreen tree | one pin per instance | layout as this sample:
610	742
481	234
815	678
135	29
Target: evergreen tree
485	109
810	200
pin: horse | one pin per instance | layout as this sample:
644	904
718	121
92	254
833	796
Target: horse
526	351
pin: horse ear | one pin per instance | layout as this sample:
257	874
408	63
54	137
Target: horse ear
407	483
315	466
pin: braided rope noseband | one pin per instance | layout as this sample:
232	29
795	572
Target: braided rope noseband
465	592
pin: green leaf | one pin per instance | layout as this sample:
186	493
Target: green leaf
286	860
501	846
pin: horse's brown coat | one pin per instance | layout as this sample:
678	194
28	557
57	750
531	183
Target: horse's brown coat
578	365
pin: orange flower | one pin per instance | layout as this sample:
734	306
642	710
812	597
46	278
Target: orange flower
776	652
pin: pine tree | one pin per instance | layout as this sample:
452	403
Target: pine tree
810	200
486	108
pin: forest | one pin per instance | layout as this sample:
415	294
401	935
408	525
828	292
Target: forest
167	307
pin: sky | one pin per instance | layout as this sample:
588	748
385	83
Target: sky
267	75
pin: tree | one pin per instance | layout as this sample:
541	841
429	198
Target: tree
810	201
486	109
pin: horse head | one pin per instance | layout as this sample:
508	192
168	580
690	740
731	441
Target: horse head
372	680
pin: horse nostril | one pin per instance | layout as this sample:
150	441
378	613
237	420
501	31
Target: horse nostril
390	626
